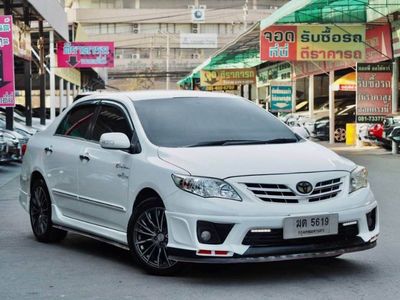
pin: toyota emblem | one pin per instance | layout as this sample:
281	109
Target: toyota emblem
304	187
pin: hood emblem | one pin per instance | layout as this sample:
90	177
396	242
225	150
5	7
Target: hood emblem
304	187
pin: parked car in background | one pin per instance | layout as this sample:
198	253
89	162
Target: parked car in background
389	123
4	157
321	110
395	135
185	176
18	126
321	126
19	116
16	144
375	132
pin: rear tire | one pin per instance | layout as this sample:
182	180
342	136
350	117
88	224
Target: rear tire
148	238
40	215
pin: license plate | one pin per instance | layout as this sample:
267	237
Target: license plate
309	226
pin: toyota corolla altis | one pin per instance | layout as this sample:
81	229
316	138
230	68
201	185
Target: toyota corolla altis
201	177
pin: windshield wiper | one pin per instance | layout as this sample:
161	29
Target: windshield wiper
244	142
227	143
281	141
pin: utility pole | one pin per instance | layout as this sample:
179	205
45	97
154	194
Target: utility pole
395	95
42	75
167	61
52	77
245	13
331	108
27	73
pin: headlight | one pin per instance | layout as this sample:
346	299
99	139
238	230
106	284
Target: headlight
358	179
206	187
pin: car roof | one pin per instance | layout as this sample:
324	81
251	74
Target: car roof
158	94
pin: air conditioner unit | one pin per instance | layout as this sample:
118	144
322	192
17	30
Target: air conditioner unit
195	56
195	28
136	28
135	56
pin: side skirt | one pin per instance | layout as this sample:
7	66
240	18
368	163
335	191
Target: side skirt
92	236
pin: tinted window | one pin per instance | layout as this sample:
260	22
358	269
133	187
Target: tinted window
111	119
77	121
181	122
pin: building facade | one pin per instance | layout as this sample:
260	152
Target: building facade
153	38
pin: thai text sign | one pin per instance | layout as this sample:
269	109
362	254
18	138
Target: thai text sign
374	92
85	54
378	42
313	43
228	77
281	96
280	71
198	40
7	90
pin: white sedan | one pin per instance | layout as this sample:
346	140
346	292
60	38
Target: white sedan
181	176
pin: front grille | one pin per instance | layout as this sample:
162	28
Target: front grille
325	190
280	193
275	237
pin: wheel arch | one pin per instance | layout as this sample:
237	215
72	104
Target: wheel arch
143	195
36	175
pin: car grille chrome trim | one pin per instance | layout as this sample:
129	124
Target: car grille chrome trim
281	193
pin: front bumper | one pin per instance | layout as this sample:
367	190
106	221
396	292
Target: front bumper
183	215
270	254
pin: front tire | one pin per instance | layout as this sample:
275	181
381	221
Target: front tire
40	215
148	238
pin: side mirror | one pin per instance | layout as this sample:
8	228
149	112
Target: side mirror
115	140
301	131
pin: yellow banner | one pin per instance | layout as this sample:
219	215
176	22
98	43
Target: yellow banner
329	42
228	77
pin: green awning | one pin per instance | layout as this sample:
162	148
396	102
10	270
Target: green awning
329	11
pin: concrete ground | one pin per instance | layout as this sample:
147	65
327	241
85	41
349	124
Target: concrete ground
81	268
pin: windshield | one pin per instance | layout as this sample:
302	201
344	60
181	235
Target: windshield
184	122
348	110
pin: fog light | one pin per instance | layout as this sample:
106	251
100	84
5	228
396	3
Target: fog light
371	219
205	236
212	233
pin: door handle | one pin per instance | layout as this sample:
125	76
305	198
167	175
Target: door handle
48	150
83	157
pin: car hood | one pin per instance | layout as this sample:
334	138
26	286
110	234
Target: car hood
242	160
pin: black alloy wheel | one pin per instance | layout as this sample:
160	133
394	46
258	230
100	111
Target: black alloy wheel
148	238
40	215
